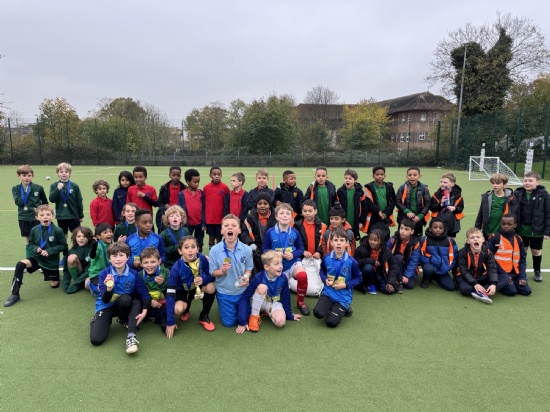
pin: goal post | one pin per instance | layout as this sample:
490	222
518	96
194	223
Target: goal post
483	167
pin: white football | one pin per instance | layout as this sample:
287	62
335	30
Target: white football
48	177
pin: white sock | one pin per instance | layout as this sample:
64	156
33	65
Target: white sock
257	301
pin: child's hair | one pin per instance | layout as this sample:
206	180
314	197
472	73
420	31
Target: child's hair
140	169
173	168
509	215
190	174
449	176
310	202
129	176
24	170
239	176
337	210
86	231
262	172
148	252
185	238
339	232
528	174
129	204
321	168
98	183
378	233
436	220
43	208
473	230
270	256
283	206
214	168
231	216
141	212
352	173
102	227
118	247
286	173
499	178
408	223
174	210
413	168
377	168
64	166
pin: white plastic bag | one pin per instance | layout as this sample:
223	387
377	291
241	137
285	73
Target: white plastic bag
314	283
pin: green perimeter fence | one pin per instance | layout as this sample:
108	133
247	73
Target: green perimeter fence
506	134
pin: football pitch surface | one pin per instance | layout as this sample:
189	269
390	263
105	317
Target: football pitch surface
425	350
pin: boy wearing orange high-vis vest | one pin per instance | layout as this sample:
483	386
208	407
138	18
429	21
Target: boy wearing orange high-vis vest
477	271
448	204
510	257
413	200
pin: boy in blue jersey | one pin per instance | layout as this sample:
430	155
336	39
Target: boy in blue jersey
46	242
189	279
122	293
231	264
144	237
155	277
340	273
270	293
287	240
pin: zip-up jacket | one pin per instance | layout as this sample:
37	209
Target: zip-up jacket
403	201
509	253
486	269
291	195
411	256
373	209
388	265
535	211
359	205
440	251
320	229
510	206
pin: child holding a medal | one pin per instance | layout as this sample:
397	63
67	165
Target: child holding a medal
46	242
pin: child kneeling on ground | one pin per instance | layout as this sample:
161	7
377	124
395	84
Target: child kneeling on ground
270	294
340	273
122	293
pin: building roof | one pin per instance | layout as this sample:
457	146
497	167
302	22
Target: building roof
418	101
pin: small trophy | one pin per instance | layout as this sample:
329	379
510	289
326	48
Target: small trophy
198	292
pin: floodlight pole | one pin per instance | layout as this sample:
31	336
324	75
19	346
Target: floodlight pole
460	100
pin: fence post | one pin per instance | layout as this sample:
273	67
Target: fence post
545	151
11	143
96	139
39	141
518	132
452	153
494	134
466	152
438	141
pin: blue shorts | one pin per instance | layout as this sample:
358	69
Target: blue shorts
228	306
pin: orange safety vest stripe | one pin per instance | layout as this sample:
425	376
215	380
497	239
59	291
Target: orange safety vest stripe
424	251
508	255
404	196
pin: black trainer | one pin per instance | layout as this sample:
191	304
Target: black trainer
12	300
538	276
349	312
303	308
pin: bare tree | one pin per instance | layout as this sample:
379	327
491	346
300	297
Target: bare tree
531	56
321	98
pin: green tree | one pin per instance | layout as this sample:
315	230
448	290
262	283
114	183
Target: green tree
58	122
269	126
364	124
314	137
530	53
486	75
208	128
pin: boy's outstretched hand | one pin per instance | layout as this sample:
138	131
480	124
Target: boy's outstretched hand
296	316
170	331
240	329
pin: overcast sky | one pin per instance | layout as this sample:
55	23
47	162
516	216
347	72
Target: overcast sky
178	55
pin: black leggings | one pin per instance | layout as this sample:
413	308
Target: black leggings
125	308
332	310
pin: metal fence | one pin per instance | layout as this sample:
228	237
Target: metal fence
505	134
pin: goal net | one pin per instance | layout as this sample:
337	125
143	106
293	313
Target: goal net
483	167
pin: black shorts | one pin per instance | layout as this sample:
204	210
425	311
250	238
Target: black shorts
185	295
49	274
68	224
25	226
214	230
533	242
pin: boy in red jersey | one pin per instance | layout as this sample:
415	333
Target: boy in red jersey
101	208
142	194
236	201
214	193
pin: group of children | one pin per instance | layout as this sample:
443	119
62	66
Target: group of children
263	242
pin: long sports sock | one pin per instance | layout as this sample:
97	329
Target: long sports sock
257	301
301	287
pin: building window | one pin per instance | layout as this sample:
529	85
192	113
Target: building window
410	117
403	118
408	137
423	117
402	137
421	135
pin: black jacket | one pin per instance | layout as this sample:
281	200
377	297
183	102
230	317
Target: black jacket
486	269
320	228
360	205
535	211
388	265
373	209
482	220
291	195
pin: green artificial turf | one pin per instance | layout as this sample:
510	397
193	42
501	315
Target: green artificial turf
425	350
